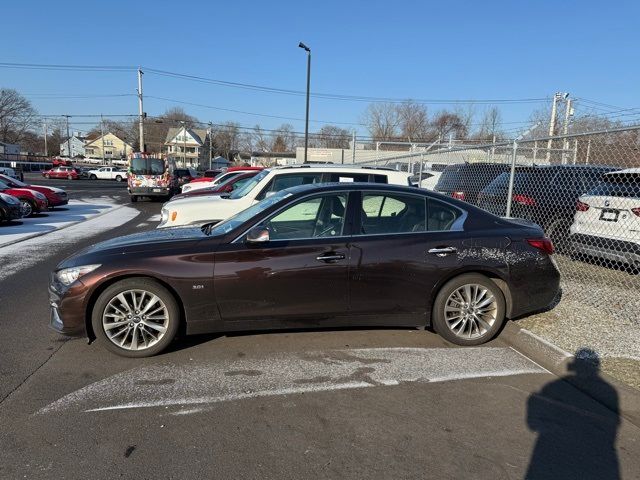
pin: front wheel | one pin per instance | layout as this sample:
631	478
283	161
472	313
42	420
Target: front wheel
47	176
469	310
69	177
28	208
136	317
134	198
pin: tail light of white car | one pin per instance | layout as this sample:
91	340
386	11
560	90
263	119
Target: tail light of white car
581	206
636	211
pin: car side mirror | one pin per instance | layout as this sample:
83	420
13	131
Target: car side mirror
258	235
268	194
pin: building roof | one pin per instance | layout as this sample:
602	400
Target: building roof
99	137
199	134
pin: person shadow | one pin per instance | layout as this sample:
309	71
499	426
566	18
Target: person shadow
576	434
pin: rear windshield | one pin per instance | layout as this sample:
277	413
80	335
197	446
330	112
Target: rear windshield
147	166
618	185
464	176
501	183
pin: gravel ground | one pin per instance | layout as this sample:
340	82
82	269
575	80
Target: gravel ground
572	325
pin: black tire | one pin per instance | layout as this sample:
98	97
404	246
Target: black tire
47	176
141	283
93	177
438	313
118	178
28	208
69	177
134	198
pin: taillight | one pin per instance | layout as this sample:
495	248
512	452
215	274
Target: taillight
543	244
636	211
524	200
581	206
457	195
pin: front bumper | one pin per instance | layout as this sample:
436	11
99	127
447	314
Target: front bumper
12	212
67	306
607	248
151	191
58	200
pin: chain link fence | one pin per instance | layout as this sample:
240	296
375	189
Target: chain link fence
582	189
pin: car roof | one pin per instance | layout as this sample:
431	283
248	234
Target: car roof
626	170
340	168
332	186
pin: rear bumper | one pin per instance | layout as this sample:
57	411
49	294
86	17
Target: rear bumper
608	248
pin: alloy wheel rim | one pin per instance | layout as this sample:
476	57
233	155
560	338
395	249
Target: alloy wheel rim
471	311
27	209
135	320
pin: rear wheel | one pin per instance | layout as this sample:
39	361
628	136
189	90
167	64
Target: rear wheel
28	208
136	317
469	310
118	178
47	176
93	177
69	177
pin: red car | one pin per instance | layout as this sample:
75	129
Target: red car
61	172
55	196
32	201
211	174
227	186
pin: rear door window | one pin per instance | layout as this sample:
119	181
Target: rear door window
441	216
348	177
281	182
392	213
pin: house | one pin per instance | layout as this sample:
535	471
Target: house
113	146
77	142
188	146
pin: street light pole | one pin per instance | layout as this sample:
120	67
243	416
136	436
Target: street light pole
306	123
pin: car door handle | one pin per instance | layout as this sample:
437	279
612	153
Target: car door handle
330	257
442	251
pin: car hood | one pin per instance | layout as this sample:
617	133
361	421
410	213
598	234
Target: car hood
138	242
199	200
51	189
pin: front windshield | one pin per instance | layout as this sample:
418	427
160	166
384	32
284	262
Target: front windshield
247	187
238	219
4	186
147	166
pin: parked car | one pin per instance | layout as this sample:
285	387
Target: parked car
607	219
108	173
464	181
341	254
546	195
185	175
208	208
208	175
32	201
56	197
232	183
222	177
10	208
9	172
427	179
61	172
83	172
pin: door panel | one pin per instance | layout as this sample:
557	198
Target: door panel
282	282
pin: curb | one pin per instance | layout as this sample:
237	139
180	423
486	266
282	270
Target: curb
39	234
557	361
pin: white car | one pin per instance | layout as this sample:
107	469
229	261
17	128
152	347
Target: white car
210	182
607	220
107	173
215	208
9	172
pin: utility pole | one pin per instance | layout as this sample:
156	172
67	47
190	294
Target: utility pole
102	136
210	144
565	128
140	110
184	144
68	137
552	120
353	148
46	133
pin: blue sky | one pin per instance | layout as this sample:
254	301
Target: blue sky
426	50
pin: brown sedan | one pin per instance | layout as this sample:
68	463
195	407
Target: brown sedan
311	256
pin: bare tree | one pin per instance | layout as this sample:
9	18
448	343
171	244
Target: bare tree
331	136
382	121
226	139
413	121
284	139
490	125
447	123
17	116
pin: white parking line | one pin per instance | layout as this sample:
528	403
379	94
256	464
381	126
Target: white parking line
287	374
29	252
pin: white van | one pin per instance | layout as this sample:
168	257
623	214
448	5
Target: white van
215	208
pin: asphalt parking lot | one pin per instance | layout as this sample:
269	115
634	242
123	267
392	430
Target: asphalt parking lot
361	403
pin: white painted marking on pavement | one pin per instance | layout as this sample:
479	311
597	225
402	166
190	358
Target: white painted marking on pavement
290	373
155	218
29	252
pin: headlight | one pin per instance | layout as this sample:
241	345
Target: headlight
39	196
9	199
164	216
67	276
